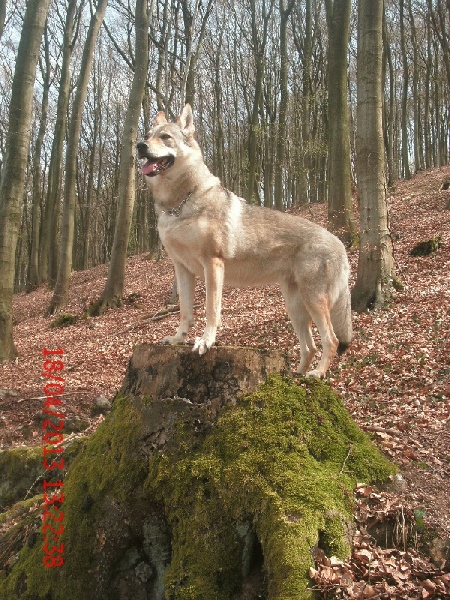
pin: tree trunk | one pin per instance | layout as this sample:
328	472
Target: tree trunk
285	11
192	53
113	292
405	92
48	243
389	113
61	292
340	210
253	136
305	195
415	95
2	16
33	279
269	152
85	233
14	168
219	138
376	265
259	48
427	103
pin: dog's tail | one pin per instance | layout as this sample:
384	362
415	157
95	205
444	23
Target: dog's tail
341	319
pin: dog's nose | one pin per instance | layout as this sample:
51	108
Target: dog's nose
142	147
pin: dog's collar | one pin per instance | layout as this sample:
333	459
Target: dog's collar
175	212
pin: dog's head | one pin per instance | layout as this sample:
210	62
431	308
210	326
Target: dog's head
166	142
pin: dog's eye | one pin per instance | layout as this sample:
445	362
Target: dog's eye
165	136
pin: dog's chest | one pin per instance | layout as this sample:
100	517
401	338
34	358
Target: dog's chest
184	240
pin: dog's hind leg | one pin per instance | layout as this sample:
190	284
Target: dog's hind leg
301	321
320	313
214	270
186	290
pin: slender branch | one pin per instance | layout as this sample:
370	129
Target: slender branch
125	56
350	450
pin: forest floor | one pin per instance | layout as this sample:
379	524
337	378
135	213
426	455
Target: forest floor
394	379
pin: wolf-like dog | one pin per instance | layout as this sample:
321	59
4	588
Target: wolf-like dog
211	233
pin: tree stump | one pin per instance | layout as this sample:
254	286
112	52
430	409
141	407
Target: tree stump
213	478
219	376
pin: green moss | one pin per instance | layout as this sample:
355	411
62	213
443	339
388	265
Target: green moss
22	470
272	476
427	247
19	509
397	284
108	466
19	467
64	320
355	241
284	460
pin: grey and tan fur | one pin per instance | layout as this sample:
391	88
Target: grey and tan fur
210	233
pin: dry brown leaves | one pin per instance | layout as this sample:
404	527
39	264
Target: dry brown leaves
374	571
394	380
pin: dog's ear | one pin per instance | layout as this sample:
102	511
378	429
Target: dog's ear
186	120
160	119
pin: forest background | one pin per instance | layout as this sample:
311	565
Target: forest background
258	74
229	60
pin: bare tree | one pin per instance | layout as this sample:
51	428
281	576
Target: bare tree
285	11
340	210
441	27
48	266
259	33
113	292
405	151
389	117
193	47
13	171
33	280
376	266
306	51
271	142
61	292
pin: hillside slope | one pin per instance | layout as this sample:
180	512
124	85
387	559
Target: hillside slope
394	379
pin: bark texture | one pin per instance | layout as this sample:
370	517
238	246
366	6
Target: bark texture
340	210
14	168
376	265
220	375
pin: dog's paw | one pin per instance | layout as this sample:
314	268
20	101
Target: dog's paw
316	374
201	346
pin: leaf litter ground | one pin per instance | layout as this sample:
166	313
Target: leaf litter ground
394	380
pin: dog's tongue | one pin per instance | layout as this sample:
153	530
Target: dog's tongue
149	168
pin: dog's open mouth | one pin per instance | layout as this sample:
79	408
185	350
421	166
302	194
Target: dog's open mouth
155	166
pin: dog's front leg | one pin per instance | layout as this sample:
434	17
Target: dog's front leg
214	274
186	290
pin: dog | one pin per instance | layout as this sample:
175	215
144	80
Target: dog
211	233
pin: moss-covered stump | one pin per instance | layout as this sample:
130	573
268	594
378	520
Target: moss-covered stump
427	247
22	472
179	500
63	320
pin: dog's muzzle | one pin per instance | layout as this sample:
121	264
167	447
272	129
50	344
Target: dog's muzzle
154	165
